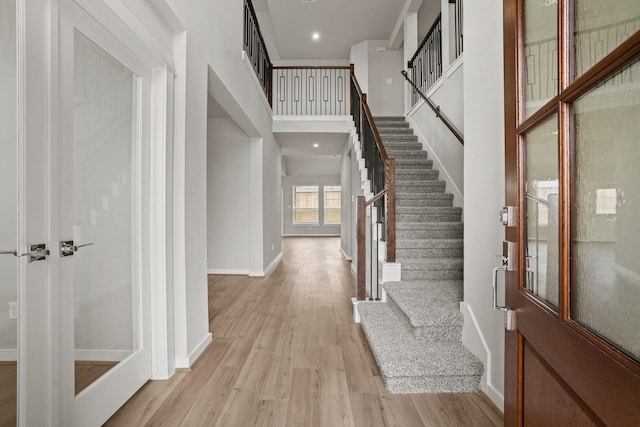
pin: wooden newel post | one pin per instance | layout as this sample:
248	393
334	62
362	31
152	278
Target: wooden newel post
391	209
361	292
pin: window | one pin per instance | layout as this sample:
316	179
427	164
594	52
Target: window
305	204
332	203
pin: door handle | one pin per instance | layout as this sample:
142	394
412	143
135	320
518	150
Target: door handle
36	252
67	248
509	315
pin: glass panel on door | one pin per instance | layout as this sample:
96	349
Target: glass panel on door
540	57
542	211
104	212
600	27
605	266
8	214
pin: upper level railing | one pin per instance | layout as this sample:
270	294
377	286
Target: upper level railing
303	91
382	205
456	15
425	67
256	49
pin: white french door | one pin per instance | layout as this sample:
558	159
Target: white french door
101	210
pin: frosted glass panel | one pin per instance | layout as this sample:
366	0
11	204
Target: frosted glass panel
601	26
540	56
8	212
542	210
105	285
605	263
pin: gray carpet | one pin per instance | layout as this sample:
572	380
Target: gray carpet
415	335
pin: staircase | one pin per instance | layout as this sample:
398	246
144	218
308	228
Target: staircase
416	334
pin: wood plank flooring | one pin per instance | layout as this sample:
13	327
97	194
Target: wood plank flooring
287	353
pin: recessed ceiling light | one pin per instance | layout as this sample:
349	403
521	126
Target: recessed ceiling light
315	36
315	145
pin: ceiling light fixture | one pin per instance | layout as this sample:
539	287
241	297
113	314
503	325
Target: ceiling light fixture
315	36
315	145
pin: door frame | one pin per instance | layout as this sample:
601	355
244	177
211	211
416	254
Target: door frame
155	206
591	369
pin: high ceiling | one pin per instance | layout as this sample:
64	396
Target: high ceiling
340	24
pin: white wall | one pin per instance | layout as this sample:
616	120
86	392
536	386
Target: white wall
484	184
443	148
345	183
227	198
360	59
291	229
385	96
214	47
373	69
427	14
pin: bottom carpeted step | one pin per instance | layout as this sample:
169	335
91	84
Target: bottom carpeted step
429	309
410	366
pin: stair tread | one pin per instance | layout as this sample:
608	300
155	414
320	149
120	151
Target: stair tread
412	225
428	303
428	209
432	263
399	354
430	244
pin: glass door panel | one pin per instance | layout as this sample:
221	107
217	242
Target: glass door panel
104	211
600	27
540	57
8	214
542	211
605	293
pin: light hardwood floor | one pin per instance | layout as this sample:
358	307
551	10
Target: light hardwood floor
287	353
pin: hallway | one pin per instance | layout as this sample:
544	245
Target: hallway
287	353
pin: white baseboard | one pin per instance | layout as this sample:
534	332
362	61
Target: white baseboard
273	264
344	254
102	355
186	362
8	355
476	343
356	313
231	271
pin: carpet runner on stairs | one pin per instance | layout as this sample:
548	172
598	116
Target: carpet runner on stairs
416	335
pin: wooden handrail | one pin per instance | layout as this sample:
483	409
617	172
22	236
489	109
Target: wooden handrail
377	197
436	109
426	38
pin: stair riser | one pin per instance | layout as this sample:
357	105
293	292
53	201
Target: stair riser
444	203
409	145
388	138
430	217
422	176
436	384
431	244
414	163
428	252
436	188
429	234
394	130
431	275
406	154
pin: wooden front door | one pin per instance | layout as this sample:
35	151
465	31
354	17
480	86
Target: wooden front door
572	115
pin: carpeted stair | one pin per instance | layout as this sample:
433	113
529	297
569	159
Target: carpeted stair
416	335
